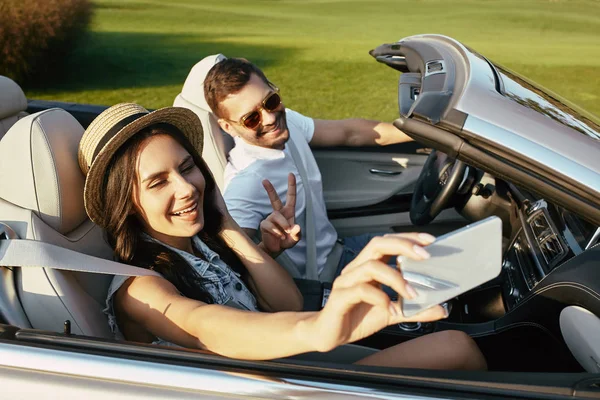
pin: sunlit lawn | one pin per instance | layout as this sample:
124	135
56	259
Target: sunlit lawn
317	50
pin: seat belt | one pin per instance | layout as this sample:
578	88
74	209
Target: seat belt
311	243
33	253
333	259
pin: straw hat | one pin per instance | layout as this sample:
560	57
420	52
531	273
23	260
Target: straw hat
111	129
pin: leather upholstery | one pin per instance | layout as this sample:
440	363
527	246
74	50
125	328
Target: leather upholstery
13	104
217	143
40	170
41	198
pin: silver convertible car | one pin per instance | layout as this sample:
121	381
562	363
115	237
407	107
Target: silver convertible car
487	142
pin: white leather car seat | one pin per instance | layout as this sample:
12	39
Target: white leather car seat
41	198
217	143
13	104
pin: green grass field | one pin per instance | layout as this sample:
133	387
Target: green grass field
317	50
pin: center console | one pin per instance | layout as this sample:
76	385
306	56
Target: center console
544	241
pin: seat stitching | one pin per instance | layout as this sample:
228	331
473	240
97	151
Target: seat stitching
558	285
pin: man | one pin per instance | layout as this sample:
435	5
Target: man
249	108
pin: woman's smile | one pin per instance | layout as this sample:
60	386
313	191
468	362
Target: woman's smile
188	214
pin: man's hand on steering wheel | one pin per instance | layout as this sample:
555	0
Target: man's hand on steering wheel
439	180
279	230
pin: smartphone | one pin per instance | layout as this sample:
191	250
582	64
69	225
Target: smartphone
460	261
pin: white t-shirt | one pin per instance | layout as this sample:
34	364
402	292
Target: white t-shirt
248	202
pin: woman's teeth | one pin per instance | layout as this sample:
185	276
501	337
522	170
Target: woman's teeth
187	210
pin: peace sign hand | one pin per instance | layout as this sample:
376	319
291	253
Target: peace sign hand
279	230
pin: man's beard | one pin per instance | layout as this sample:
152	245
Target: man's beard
280	123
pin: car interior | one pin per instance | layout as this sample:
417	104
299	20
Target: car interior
538	315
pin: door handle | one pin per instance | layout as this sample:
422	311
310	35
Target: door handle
384	172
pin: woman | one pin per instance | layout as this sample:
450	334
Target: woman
147	185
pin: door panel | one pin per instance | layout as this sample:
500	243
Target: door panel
447	221
358	179
361	201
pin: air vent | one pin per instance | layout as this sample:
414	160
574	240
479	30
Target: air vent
527	264
551	249
549	243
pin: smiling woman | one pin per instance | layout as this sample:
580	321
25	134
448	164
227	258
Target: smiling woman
155	186
166	201
169	186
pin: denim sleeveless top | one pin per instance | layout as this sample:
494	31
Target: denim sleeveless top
222	283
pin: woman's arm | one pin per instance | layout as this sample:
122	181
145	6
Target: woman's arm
156	304
271	283
357	308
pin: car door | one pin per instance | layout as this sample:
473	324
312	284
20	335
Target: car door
369	189
38	364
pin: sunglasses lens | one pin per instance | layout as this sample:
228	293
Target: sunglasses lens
252	120
272	102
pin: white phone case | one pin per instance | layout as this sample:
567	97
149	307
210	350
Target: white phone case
460	261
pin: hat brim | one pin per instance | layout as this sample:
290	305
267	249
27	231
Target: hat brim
185	120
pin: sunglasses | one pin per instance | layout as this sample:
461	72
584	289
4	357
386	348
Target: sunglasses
253	119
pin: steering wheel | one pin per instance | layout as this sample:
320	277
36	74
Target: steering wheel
438	182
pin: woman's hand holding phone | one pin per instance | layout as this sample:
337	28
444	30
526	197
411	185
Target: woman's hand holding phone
357	306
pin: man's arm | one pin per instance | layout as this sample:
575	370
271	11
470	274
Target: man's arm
356	132
273	286
246	202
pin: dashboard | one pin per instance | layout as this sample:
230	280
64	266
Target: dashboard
539	237
548	237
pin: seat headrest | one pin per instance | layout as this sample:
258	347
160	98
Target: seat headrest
193	88
12	98
39	169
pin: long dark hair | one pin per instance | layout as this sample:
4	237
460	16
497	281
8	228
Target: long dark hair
123	227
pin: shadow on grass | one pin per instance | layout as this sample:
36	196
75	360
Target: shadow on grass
117	60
